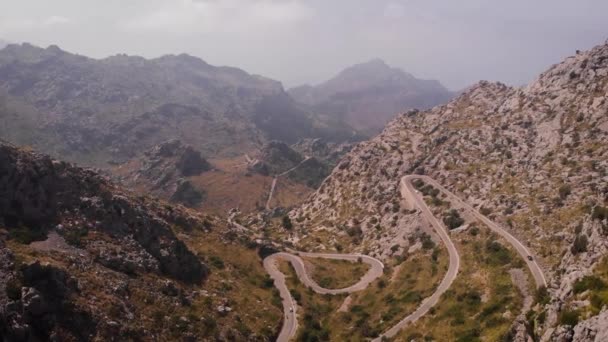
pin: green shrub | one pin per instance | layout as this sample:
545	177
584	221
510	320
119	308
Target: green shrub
588	283
453	220
427	242
268	282
542	295
26	235
287	224
498	254
579	245
216	262
564	191
569	317
74	236
485	211
599	213
296	296
542	317
209	325
13	289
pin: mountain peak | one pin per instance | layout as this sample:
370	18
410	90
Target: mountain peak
368	94
373	65
379	62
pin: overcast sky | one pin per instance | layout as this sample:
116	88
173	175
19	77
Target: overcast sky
307	41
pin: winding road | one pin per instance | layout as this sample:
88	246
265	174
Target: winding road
290	325
414	200
274	181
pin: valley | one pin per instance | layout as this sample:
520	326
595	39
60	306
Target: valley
168	199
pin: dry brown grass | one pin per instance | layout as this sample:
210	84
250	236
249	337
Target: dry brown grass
288	193
335	274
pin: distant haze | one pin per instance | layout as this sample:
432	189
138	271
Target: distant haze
456	42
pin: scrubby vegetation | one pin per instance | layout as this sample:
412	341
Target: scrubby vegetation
580	244
473	309
336	274
594	288
452	219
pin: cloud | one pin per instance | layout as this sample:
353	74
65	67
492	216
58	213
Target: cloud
54	20
212	16
394	10
29	24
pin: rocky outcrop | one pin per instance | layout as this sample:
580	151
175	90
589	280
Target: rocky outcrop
276	157
40	307
191	163
594	329
39	193
307	162
187	194
311	172
328	152
165	170
111	265
162	162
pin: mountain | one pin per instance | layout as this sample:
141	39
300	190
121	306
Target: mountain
533	160
113	109
82	259
366	96
308	162
164	172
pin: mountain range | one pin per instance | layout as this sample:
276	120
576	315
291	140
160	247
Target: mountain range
113	109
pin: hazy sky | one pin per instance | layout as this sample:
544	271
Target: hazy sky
296	41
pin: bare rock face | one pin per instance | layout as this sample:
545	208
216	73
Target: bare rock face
594	329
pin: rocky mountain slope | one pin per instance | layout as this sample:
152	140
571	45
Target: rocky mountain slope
164	172
115	108
368	95
308	161
533	159
81	259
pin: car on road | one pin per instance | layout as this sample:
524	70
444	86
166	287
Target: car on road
291	309
530	258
